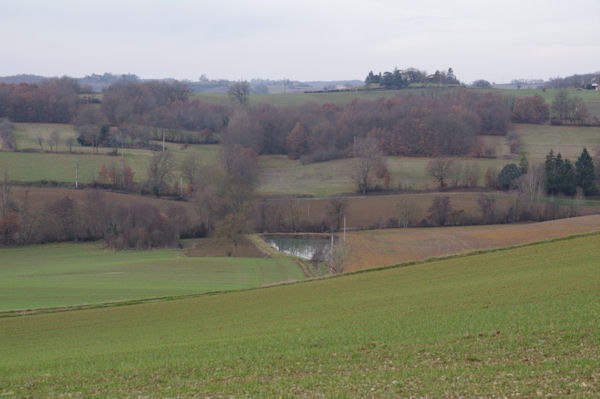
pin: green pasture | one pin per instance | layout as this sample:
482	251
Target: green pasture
60	166
513	323
74	274
280	175
27	135
538	140
590	97
295	99
27	166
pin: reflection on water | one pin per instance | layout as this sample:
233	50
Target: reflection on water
298	246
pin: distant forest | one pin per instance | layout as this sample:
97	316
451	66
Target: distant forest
131	113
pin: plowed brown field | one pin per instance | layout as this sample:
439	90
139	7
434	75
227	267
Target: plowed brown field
373	248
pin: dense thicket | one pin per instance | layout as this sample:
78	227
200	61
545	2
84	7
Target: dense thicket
52	101
447	124
162	105
531	110
136	224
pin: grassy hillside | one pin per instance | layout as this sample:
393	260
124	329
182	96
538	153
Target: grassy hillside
522	322
280	175
73	274
373	248
60	166
538	140
591	98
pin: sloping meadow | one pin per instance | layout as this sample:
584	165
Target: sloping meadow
518	322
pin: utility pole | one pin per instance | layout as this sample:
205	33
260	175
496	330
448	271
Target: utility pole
76	173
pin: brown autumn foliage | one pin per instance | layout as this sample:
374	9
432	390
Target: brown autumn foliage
444	124
531	110
53	101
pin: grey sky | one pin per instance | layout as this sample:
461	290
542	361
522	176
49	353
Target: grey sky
304	40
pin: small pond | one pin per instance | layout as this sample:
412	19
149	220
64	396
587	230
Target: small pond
301	246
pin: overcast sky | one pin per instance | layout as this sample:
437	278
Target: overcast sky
300	40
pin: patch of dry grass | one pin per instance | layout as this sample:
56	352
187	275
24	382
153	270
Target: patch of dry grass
386	247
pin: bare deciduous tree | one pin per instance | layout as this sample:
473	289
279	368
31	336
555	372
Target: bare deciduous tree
532	183
369	157
439	169
233	227
335	211
70	141
159	171
239	93
5	196
7	135
190	167
405	209
40	141
440	211
54	139
487	205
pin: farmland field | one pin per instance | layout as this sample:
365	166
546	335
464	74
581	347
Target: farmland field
520	322
538	140
373	248
73	274
591	98
280	175
60	166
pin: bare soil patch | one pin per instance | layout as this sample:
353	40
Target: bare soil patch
373	248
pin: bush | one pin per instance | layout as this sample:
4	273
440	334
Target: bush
506	176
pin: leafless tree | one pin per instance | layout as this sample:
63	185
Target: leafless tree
369	157
233	227
190	167
457	172
54	139
439	169
293	211
239	163
27	220
239	93
335	211
5	196
487	205
440	211
40	141
337	255
159	172
70	141
405	210
7	135
532	184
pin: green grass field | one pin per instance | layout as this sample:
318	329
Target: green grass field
280	175
60	166
515	323
590	97
74	274
538	140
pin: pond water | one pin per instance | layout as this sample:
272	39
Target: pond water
303	247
